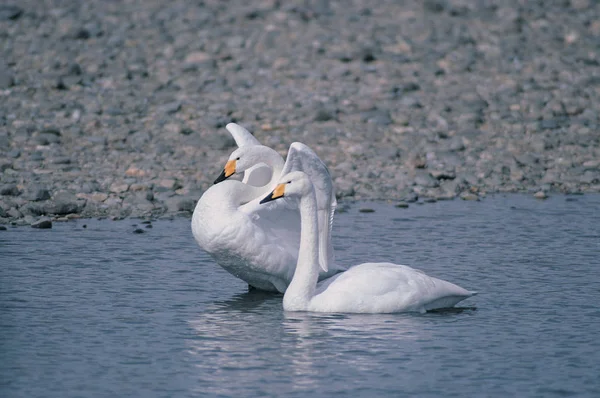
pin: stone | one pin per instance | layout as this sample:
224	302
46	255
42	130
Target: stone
442	174
402	205
63	203
5	166
9	190
171	108
469	196
425	179
117	187
10	12
37	193
377	116
135	172
186	204
324	115
540	195
7	79
42	224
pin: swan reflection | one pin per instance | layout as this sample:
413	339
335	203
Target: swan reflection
248	339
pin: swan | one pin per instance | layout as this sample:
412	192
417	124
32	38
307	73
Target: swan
363	288
259	244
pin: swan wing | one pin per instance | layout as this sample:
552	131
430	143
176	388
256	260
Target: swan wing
301	158
241	136
387	287
256	175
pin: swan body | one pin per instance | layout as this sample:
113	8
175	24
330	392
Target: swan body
256	243
363	288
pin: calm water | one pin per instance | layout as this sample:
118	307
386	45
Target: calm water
100	311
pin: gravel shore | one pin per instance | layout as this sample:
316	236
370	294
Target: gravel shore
118	108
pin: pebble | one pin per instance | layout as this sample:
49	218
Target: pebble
540	195
393	112
118	187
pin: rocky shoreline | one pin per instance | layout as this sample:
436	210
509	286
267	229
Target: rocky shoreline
117	109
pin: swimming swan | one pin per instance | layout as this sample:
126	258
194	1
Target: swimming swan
363	288
259	244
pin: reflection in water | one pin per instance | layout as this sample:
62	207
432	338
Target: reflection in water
231	339
353	339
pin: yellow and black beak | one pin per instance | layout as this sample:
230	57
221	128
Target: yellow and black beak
227	172
277	193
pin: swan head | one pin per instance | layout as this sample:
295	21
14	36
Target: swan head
292	185
245	158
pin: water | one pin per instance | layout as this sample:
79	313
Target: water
103	312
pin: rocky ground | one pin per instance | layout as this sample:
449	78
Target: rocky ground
117	108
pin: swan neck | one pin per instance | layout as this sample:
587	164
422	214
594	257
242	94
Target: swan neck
275	161
303	285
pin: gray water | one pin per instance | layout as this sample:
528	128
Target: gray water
103	312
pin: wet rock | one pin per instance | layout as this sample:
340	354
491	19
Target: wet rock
411	197
3	228
469	196
42	224
9	190
540	195
138	231
402	205
366	210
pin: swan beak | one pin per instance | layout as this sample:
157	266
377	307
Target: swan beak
278	192
227	172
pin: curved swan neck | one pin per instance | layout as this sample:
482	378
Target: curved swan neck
303	285
236	193
275	161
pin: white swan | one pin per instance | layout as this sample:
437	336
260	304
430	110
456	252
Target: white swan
259	244
363	288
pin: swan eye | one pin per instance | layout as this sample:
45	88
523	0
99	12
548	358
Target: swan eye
238	158
289	182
